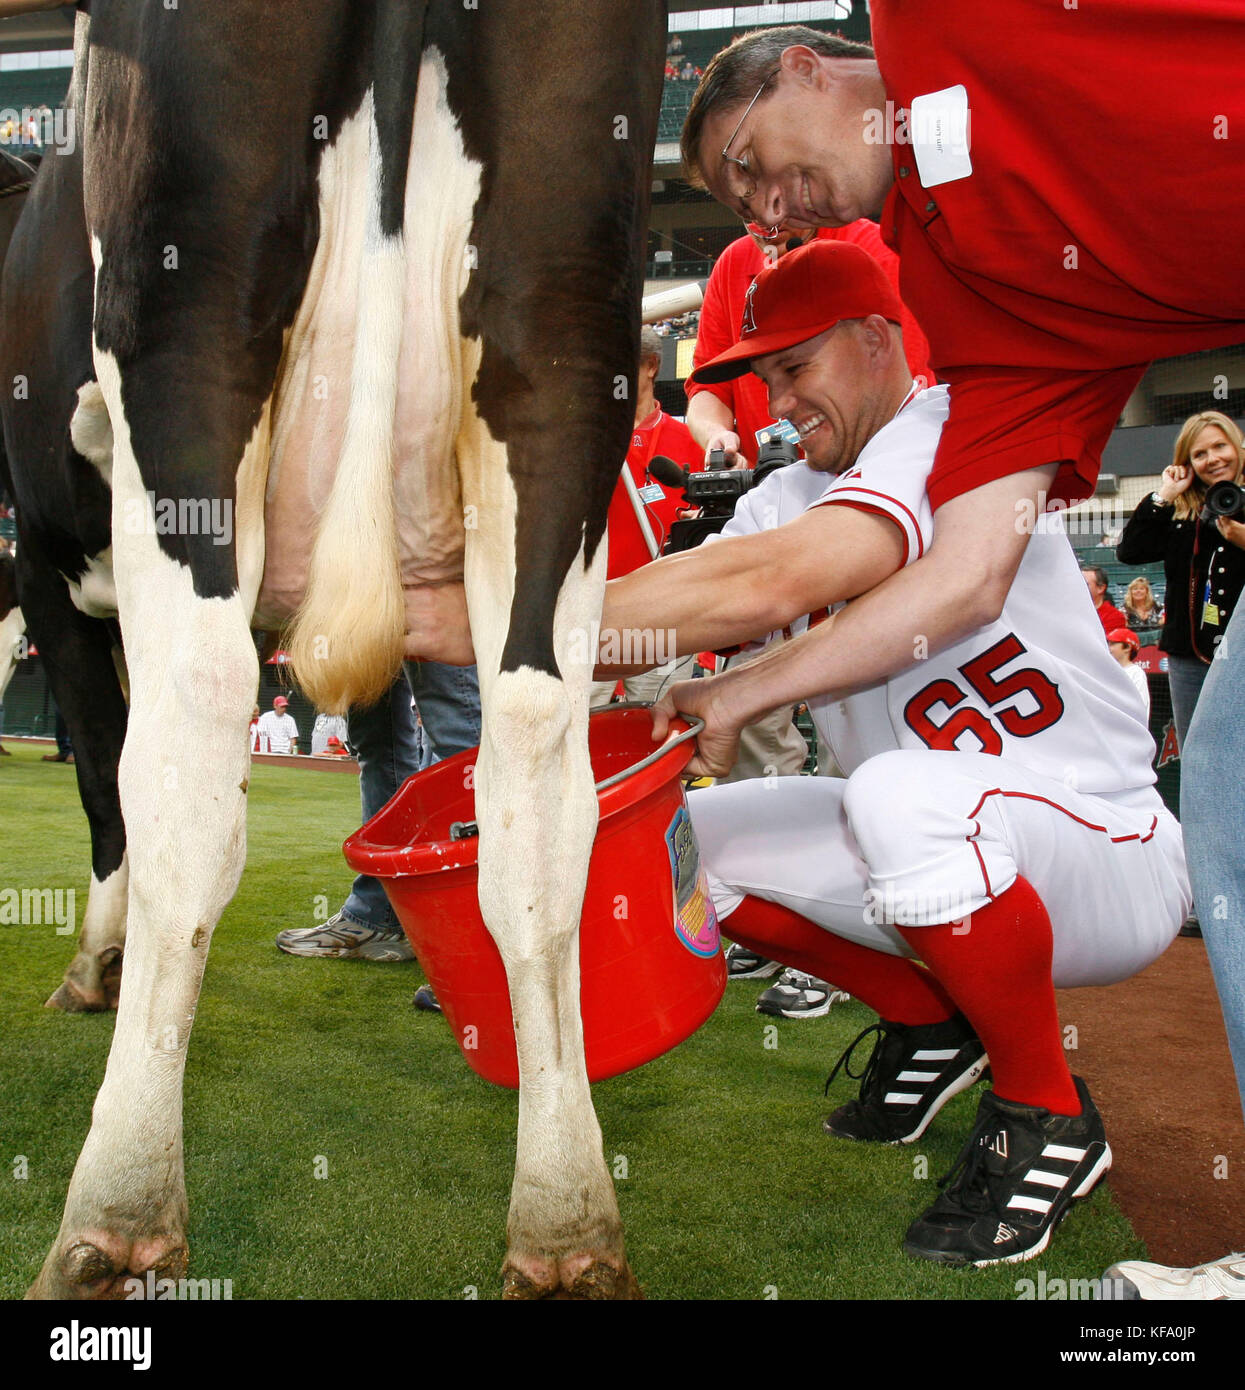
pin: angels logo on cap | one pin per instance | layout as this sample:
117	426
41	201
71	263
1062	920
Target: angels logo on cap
801	295
749	324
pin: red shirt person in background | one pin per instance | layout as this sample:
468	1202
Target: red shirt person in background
730	413
1108	615
654	433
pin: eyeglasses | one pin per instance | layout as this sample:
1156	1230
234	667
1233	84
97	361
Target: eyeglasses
744	188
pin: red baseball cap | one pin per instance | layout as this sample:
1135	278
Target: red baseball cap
802	294
280	700
1122	634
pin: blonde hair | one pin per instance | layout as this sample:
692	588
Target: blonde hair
1150	601
1189	503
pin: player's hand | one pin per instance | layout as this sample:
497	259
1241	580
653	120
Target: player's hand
728	442
1175	480
717	744
1233	531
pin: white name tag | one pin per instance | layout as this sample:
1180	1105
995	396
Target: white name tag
938	123
651	493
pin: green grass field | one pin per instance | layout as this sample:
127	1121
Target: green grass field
731	1188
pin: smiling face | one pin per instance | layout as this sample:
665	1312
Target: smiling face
837	389
1213	456
803	144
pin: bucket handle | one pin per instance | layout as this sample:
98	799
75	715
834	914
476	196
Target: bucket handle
694	727
466	830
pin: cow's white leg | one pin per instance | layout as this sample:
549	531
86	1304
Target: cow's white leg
183	778
537	812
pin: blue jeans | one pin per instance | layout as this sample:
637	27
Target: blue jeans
385	742
1185	676
1212	812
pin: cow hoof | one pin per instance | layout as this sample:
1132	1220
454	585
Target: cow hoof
90	986
577	1278
105	1267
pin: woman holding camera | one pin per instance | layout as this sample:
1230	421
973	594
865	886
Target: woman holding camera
1204	559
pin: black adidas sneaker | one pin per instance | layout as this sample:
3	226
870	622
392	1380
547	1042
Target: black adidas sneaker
1012	1184
912	1072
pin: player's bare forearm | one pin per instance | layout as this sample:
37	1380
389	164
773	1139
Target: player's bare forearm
744	587
958	586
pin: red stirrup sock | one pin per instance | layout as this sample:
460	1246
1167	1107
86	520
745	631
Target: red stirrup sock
998	973
895	987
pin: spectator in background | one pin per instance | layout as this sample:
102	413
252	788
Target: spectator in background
277	730
1124	647
326	728
1145	617
252	737
654	432
1204	562
1108	614
674	46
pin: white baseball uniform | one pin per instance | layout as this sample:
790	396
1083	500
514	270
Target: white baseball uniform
1022	749
276	732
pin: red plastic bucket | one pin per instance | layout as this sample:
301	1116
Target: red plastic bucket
651	966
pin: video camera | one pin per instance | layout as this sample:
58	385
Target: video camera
1226	500
716	490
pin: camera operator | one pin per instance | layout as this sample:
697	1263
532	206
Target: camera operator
956	803
1204	558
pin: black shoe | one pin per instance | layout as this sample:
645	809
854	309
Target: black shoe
912	1072
1014	1180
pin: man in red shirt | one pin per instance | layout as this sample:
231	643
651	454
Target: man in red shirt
729	414
1058	182
654	433
1108	615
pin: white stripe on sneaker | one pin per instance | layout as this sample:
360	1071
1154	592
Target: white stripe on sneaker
900	1098
1031	1203
918	1076
928	1054
1062	1151
1046	1179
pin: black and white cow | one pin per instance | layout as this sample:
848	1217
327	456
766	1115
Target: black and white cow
350	288
63	532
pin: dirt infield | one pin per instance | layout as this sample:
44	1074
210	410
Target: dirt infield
1156	1058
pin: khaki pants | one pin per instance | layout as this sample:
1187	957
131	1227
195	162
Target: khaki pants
772	747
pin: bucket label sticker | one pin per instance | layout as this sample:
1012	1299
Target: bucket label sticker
695	921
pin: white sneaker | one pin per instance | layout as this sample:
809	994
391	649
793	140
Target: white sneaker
1221	1279
347	940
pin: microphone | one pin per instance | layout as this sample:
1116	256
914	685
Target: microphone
667	472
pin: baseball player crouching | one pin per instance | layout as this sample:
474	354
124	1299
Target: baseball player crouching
998	833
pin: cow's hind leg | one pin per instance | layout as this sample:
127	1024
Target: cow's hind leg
78	654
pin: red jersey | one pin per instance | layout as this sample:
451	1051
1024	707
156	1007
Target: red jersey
1091	234
721	317
1110	617
658	434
